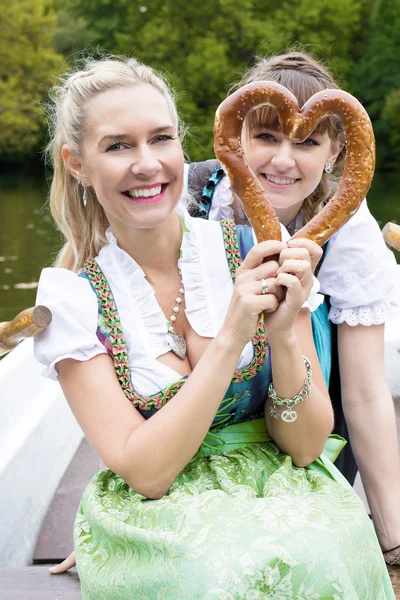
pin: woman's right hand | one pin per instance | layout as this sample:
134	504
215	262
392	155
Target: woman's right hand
247	302
66	564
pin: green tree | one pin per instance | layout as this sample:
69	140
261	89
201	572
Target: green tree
204	46
391	119
378	73
326	28
89	24
201	47
27	60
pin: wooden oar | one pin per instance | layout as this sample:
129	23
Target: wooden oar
26	324
391	235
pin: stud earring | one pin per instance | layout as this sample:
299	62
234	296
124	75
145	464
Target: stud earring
329	166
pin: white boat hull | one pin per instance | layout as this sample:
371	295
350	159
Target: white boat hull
39	436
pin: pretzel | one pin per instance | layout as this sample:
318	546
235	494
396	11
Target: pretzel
391	235
297	125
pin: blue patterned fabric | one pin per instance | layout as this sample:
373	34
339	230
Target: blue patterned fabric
207	194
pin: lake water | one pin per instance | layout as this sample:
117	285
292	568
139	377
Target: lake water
29	241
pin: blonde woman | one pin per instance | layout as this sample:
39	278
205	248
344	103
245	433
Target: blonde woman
194	377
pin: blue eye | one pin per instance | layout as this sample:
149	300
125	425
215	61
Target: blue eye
308	142
115	147
164	137
265	137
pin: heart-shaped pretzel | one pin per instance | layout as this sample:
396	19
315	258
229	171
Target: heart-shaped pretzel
297	125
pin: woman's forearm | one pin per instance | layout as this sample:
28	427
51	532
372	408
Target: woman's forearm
370	416
161	447
304	438
372	428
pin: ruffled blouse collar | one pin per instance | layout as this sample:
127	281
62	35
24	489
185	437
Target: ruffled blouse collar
202	260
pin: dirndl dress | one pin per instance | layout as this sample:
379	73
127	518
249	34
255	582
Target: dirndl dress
241	521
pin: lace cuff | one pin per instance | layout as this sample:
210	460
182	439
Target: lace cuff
315	299
373	314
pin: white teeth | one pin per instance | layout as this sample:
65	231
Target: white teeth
145	192
280	180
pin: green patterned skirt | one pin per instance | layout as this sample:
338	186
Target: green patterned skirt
239	522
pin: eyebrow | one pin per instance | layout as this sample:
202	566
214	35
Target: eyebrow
124	136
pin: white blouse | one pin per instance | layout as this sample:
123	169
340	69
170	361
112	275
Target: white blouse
208	289
358	271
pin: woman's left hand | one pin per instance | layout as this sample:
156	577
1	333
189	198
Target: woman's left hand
295	273
303	245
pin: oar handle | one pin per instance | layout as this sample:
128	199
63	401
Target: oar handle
26	324
391	235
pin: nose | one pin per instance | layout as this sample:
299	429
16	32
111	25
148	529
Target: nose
283	158
146	162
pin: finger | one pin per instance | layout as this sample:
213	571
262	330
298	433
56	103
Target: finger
294	253
294	288
261	251
272	285
67	564
267	303
299	268
315	251
263	271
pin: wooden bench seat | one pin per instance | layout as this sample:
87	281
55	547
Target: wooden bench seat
394	573
36	583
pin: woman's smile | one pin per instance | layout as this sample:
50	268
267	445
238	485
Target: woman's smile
146	194
279	181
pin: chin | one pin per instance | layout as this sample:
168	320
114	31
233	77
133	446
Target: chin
283	203
153	218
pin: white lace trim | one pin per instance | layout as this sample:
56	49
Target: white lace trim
361	270
374	314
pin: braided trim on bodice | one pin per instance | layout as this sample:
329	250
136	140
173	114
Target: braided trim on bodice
110	331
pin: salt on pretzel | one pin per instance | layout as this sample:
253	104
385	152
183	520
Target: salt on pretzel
391	235
297	125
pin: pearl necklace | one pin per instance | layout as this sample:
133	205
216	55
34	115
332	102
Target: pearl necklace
176	342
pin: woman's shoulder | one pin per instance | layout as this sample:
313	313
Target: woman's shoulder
358	271
62	287
74	308
357	247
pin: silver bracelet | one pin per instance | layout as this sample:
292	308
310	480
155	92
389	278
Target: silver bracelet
289	415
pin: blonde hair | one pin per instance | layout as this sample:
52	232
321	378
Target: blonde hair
84	227
304	76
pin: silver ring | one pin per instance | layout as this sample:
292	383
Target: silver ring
264	286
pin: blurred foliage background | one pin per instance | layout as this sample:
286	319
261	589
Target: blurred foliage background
203	47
